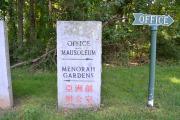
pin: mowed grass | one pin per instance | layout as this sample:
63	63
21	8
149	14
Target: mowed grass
124	95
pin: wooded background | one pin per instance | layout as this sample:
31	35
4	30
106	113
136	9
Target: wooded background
32	29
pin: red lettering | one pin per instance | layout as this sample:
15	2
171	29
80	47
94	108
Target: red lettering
69	99
89	88
69	88
79	99
79	88
89	100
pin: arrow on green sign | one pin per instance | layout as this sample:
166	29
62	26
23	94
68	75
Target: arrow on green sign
147	19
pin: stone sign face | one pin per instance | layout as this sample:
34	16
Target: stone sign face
5	76
79	63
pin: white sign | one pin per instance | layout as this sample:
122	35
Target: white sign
79	63
5	76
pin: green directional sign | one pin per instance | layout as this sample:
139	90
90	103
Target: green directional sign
154	21
147	19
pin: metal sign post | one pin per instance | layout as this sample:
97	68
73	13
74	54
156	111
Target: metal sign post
153	21
152	65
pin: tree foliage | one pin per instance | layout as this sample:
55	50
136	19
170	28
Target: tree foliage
32	27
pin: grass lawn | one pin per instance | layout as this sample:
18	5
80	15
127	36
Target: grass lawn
124	96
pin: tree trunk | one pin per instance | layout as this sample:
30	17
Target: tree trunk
12	29
50	7
32	21
20	23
